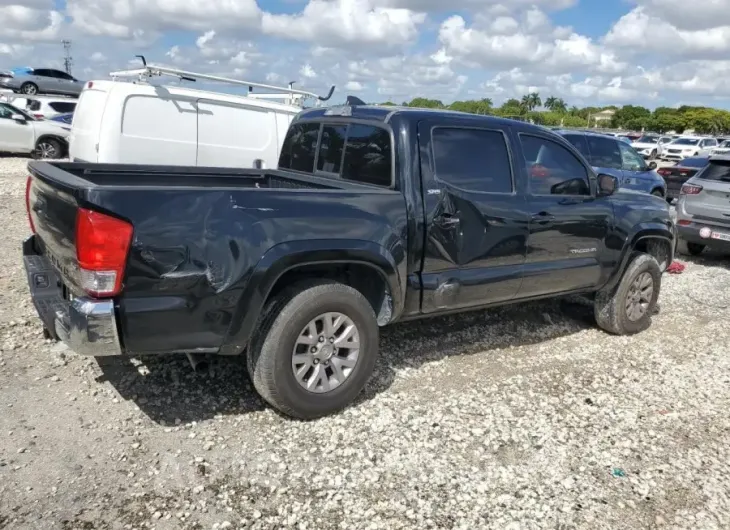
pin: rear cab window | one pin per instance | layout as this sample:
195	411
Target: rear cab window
355	152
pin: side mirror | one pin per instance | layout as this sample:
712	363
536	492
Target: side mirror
607	185
652	165
18	117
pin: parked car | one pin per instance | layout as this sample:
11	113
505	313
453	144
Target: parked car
647	146
703	207
41	107
617	158
687	146
64	118
34	81
146	124
22	133
676	176
624	138
722	149
375	215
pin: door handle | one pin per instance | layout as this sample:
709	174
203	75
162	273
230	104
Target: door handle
542	218
447	220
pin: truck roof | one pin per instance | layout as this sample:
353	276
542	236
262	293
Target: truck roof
384	113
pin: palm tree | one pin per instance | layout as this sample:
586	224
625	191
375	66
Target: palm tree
556	104
531	101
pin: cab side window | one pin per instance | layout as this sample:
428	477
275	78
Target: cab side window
472	159
553	169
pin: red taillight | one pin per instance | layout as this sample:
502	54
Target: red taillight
664	172
38	116
684	222
690	189
102	244
28	184
90	84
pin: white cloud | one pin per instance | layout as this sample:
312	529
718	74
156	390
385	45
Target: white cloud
687	15
475	5
23	23
528	42
307	71
641	31
346	22
658	52
135	18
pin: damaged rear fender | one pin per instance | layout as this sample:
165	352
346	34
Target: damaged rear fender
289	256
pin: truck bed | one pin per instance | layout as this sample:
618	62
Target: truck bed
78	176
200	235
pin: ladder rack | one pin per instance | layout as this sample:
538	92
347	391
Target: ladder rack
150	70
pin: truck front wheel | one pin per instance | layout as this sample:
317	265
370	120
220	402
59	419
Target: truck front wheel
628	308
314	350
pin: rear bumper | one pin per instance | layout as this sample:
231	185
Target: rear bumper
691	234
86	325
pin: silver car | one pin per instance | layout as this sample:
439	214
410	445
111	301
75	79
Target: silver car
703	210
34	81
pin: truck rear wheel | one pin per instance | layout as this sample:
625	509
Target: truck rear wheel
628	308
315	349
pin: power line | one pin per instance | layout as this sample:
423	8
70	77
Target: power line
67	59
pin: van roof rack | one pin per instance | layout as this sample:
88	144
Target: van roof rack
150	70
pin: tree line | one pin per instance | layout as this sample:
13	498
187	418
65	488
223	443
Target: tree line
554	111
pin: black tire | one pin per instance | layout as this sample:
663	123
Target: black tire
669	200
695	249
47	149
29	88
610	307
270	353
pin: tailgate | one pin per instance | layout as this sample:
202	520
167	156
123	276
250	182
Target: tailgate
52	210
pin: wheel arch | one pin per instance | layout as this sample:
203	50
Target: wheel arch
49	136
654	239
364	265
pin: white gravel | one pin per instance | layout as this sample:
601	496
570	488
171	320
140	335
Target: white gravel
525	417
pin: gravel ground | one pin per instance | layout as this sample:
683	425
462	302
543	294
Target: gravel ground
526	417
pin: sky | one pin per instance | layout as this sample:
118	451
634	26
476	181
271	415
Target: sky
588	52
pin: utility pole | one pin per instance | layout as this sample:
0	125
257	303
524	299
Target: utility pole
67	59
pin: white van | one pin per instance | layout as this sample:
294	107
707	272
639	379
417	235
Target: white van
131	123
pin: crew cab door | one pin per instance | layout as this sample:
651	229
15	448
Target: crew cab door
476	223
568	223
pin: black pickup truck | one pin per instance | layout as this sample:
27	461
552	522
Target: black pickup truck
375	215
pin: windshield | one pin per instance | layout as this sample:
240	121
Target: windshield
665	139
725	144
686	141
647	140
18	111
